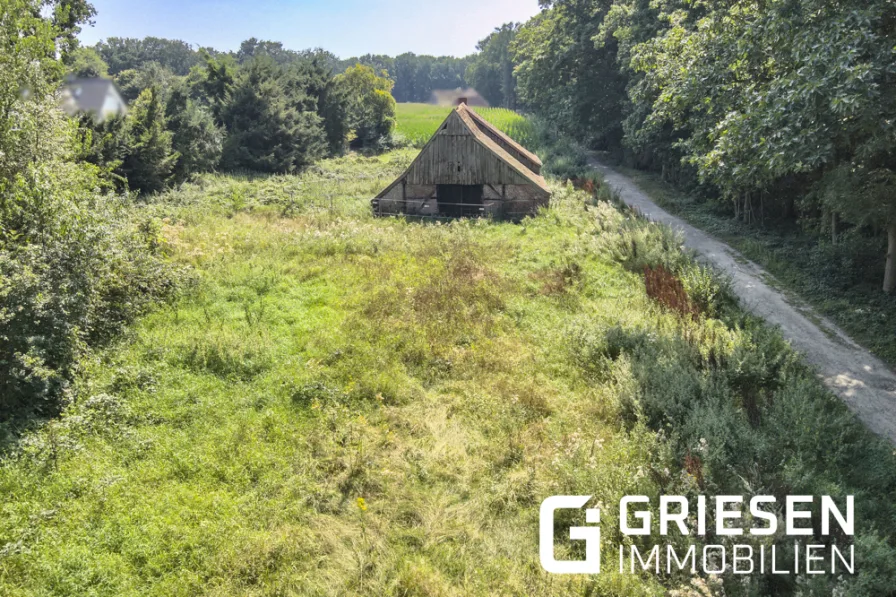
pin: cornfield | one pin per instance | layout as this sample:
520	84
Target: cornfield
418	122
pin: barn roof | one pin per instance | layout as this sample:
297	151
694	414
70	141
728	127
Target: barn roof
520	152
514	156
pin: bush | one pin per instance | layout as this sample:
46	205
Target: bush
75	264
70	288
744	415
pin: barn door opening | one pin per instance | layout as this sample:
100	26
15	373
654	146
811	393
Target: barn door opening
459	201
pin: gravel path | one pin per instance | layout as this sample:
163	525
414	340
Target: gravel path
862	380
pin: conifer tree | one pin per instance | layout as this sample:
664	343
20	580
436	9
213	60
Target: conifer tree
150	165
269	130
195	136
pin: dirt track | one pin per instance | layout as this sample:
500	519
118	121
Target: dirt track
862	380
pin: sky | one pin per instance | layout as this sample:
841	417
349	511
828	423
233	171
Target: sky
345	27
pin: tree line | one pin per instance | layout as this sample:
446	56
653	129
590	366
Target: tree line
263	109
782	107
415	76
489	70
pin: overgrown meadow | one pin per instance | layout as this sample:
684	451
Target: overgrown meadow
342	405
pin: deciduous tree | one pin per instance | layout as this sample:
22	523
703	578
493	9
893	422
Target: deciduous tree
371	107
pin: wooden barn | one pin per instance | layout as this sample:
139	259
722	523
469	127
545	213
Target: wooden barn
468	169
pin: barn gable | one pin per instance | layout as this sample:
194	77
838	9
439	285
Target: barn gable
468	152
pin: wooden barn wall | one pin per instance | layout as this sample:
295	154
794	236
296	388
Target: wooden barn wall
460	159
455	126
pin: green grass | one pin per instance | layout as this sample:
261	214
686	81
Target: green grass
344	405
841	281
418	122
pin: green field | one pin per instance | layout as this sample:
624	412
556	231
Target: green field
344	405
418	122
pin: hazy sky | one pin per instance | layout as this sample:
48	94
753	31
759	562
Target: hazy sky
345	27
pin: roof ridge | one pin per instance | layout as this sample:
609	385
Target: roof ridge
480	120
502	153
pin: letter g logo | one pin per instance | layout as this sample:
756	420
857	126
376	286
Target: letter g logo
590	535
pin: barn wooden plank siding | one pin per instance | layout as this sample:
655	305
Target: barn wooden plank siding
469	168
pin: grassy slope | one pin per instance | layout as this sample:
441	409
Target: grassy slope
842	282
322	358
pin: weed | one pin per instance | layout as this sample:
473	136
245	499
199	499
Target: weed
666	289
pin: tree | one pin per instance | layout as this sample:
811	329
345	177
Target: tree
314	75
252	48
124	53
269	128
106	144
149	166
195	136
490	72
371	107
405	77
567	77
86	63
133	82
67	17
757	92
214	81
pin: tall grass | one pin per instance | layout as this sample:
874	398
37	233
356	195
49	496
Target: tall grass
345	405
840	280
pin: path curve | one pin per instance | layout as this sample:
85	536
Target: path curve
862	380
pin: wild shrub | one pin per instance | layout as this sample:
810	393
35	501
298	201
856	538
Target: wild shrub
707	289
744	415
75	264
638	245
